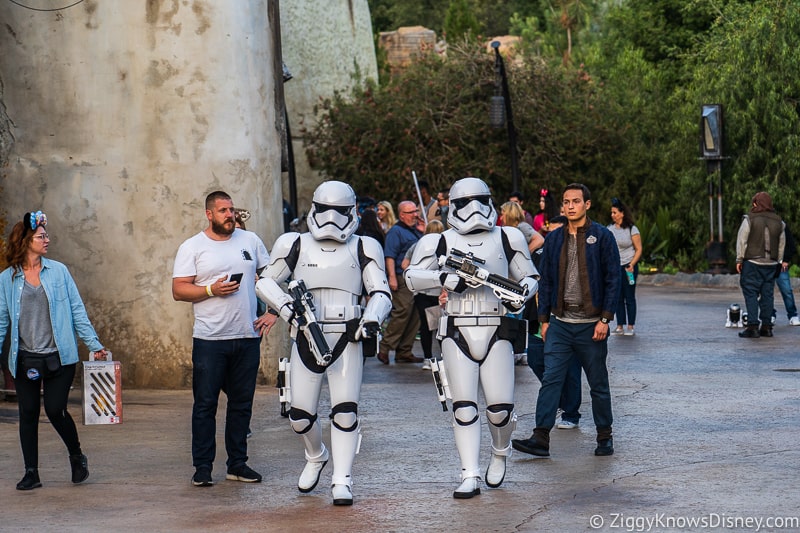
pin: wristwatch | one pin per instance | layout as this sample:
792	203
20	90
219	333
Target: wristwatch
604	320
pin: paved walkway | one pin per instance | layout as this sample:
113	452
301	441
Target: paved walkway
706	429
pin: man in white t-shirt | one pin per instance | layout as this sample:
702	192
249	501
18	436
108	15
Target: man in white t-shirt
216	270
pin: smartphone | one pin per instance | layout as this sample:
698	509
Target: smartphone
236	278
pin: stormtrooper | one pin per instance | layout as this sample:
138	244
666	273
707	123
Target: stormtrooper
477	335
330	269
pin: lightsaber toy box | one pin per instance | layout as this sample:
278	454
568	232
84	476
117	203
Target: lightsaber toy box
102	392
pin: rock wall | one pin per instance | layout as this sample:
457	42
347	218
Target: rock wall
123	116
328	46
404	44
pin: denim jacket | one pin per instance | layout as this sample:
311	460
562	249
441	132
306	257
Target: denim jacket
67	313
598	258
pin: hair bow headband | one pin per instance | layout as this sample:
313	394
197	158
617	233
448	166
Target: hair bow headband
244	214
543	192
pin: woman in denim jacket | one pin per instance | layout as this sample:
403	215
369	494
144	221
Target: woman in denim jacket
41	311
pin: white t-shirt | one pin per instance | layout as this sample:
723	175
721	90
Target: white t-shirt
223	317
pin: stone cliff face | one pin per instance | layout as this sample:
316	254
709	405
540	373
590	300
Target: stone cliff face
123	116
329	47
6	137
116	119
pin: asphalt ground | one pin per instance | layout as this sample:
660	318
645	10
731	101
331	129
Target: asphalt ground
705	433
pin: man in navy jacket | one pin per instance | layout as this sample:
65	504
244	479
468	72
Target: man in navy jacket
578	289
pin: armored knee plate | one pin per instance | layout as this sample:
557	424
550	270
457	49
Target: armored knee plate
465	413
301	421
344	416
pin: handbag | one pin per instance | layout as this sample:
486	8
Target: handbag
432	316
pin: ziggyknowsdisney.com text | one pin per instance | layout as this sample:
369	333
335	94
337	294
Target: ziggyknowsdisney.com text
712	520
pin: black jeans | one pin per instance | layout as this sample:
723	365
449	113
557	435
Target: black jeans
232	366
56	394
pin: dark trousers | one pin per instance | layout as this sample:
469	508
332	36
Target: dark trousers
403	322
422	302
56	394
570	401
232	366
563	342
758	289
626	303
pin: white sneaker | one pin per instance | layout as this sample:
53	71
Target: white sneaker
794	321
342	495
496	472
468	488
426	365
566	424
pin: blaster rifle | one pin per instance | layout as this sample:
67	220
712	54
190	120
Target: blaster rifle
303	303
283	385
440	380
466	267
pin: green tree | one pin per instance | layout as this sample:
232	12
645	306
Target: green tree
554	30
749	63
434	118
388	15
460	20
493	16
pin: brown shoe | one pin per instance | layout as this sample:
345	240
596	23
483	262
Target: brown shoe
383	358
408	359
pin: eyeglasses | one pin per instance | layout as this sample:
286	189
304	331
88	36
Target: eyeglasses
42	237
409	212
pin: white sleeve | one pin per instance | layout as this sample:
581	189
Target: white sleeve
185	263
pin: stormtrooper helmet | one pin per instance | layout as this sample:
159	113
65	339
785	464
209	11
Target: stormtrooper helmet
471	207
333	212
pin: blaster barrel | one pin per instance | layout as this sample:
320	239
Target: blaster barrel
307	321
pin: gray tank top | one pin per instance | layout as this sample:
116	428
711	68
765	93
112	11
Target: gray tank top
35	328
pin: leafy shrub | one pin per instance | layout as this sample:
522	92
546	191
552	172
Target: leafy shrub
433	118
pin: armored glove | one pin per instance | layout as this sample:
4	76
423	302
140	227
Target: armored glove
369	330
453	282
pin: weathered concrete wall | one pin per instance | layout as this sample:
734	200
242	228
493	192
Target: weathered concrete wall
124	116
329	47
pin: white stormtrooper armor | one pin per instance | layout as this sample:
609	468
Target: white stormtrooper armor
337	267
475	330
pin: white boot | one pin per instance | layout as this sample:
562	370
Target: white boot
496	472
313	469
468	488
342	495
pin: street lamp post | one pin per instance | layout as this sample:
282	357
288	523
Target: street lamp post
500	112
711	138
